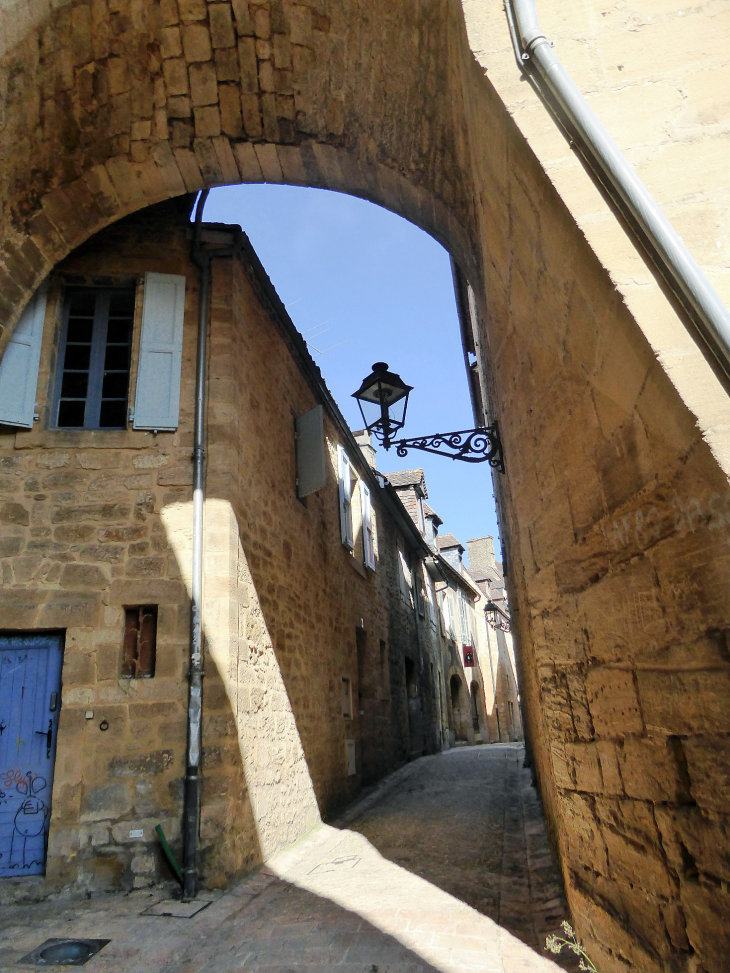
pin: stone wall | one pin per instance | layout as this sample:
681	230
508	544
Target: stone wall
613	511
94	521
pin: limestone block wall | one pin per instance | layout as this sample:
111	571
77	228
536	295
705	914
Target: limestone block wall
108	107
617	568
95	521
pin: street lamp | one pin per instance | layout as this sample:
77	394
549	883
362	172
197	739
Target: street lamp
497	618
383	390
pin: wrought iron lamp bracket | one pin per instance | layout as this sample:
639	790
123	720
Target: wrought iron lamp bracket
481	445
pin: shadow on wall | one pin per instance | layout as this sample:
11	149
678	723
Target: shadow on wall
277	779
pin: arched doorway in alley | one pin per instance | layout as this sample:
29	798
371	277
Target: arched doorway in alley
611	504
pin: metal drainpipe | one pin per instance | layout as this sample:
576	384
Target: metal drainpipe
191	812
619	182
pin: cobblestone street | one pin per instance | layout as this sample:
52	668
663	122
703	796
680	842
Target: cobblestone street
444	867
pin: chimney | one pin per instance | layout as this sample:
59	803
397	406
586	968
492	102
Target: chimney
482	563
363	440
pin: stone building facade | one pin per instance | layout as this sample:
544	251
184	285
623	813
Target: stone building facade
315	679
473	659
504	709
615	426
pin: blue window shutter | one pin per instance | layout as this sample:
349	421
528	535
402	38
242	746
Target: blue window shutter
345	491
157	400
19	365
367	527
311	452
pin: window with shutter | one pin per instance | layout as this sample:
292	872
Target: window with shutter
92	386
404	575
446	611
310	452
345	490
19	365
367	528
157	401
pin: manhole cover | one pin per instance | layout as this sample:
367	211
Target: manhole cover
64	952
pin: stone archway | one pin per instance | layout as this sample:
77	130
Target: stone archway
613	509
109	111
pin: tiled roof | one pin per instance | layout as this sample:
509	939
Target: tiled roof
405	478
444	541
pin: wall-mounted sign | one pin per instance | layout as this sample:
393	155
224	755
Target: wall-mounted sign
468	656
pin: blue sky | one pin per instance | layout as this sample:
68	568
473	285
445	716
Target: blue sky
385	291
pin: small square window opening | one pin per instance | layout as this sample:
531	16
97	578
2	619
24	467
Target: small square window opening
140	642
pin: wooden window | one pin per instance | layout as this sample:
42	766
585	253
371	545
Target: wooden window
93	381
140	642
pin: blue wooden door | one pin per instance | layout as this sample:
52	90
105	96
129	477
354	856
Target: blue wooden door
30	700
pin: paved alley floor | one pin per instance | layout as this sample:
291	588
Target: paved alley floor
443	868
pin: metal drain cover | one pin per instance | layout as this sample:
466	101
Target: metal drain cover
64	952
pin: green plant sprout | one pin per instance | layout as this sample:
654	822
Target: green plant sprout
555	944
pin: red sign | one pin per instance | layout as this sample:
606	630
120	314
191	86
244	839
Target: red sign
468	656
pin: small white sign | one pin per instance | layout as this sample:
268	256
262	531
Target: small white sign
136	833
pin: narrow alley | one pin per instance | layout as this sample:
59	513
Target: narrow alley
445	866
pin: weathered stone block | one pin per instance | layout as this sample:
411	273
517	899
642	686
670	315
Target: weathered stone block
146	567
704	838
105	802
74	513
586	764
69	609
192	9
584	844
207	123
10	546
708	765
170	42
176	76
149	765
154	592
613	702
84	577
176	476
632	842
196	43
221	25
685	702
650	769
706	909
14	513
